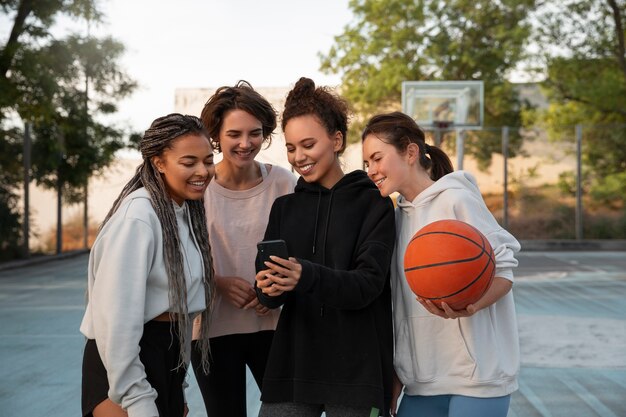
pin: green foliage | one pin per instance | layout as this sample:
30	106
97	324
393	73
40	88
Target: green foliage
545	213
586	84
62	87
608	189
391	41
567	183
71	146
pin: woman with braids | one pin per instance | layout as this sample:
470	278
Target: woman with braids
332	350
461	363
237	204
150	273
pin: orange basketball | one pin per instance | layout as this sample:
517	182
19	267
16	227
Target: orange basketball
451	261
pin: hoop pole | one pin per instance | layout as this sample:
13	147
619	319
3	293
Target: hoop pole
460	148
438	133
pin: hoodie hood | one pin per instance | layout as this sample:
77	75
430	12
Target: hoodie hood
457	180
349	182
353	182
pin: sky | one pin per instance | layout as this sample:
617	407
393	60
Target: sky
203	44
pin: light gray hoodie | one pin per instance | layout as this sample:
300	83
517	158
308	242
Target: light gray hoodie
474	356
127	287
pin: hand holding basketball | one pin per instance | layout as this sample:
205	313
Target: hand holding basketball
449	261
444	310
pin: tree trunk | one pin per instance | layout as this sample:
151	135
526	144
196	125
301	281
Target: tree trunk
24	9
619	35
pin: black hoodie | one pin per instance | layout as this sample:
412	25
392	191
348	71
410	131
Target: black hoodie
334	340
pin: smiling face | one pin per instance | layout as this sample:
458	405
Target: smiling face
186	167
240	137
312	151
390	170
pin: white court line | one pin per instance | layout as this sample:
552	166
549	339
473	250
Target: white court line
584	394
533	399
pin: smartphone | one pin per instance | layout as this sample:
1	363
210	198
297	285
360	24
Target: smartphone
266	248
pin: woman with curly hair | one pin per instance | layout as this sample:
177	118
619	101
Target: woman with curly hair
332	350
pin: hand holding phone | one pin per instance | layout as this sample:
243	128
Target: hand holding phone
267	248
291	268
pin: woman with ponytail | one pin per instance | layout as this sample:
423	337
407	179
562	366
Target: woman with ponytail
150	273
332	350
451	363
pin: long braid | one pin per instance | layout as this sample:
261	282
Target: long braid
155	140
198	222
174	261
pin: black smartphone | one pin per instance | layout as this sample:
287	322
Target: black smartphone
266	248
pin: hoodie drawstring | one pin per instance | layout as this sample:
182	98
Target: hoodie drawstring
317	215
330	206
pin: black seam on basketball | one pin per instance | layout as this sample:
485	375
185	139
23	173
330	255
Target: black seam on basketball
489	261
482	248
456	261
462	289
453	234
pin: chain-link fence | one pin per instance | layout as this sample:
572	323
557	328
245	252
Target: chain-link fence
567	183
560	184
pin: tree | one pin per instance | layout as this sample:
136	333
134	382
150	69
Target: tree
72	145
62	87
585	56
397	40
10	227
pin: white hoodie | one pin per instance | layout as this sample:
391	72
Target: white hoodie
475	356
127	287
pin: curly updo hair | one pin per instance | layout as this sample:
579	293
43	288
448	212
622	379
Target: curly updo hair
329	108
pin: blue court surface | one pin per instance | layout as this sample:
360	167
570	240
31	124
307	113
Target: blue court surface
571	311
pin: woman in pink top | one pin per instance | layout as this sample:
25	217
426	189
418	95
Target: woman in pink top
237	203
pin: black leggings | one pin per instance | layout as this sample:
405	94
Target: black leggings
224	388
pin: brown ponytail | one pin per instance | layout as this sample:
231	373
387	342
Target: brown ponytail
400	130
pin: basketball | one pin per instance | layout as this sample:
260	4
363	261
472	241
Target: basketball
449	261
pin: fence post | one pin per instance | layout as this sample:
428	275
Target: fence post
26	164
60	159
86	217
579	181
505	158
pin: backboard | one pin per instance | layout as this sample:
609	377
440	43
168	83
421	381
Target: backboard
444	104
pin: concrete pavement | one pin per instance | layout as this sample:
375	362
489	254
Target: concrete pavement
571	311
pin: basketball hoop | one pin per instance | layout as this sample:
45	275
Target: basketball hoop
444	106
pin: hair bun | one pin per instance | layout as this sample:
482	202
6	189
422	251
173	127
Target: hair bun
305	84
305	87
